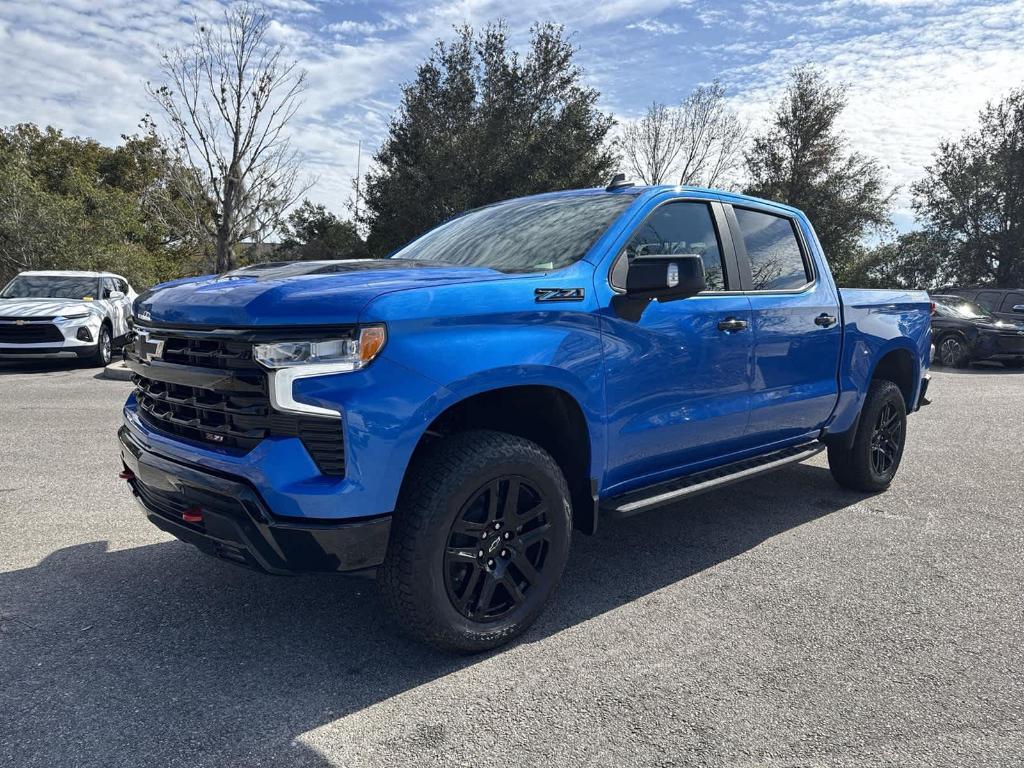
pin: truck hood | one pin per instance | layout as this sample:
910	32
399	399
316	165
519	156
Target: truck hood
45	307
294	293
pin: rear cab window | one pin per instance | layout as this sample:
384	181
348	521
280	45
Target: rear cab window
777	261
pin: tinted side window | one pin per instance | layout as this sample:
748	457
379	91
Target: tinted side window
677	229
988	300
122	286
1011	301
107	287
776	263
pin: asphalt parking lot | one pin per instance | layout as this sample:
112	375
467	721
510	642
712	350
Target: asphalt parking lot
784	622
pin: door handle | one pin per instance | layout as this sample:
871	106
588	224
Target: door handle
825	320
731	324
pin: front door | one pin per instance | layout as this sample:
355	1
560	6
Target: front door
678	377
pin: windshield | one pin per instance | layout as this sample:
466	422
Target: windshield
51	287
966	309
528	235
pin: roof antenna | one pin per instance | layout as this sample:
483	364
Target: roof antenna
618	182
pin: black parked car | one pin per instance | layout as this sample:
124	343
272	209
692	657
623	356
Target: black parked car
1005	303
964	332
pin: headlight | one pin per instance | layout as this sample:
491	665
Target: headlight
345	354
73	317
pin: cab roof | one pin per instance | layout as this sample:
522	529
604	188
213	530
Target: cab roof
647	191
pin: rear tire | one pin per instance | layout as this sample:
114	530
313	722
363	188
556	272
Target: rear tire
952	352
870	464
479	540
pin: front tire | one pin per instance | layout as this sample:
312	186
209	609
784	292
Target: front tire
953	352
104	347
870	464
479	540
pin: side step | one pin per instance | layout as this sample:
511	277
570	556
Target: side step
682	487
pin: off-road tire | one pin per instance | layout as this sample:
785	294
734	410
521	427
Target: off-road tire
415	580
854	467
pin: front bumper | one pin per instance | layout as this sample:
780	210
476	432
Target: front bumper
235	523
59	339
995	345
24	352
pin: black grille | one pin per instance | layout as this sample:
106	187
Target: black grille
211	353
30	333
234	412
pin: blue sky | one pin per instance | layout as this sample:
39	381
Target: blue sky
918	70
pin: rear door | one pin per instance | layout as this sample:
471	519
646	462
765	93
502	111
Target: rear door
797	333
677	377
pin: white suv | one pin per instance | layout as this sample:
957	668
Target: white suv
64	314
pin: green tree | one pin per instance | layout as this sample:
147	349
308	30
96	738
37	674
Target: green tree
70	203
481	123
915	259
972	199
312	232
802	159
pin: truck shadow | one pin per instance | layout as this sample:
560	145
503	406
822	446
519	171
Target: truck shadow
160	655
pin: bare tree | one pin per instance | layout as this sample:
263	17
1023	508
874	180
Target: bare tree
713	137
229	95
651	144
699	142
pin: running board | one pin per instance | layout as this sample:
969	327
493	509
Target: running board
683	487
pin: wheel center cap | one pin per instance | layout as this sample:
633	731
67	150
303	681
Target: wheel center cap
495	543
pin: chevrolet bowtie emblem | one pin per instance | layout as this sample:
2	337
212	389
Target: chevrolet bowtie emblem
148	348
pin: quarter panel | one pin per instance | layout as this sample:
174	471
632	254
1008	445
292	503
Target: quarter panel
875	322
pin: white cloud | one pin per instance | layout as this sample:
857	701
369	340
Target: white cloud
919	71
910	86
656	27
364	28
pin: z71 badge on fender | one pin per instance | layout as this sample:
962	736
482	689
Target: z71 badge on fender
558	294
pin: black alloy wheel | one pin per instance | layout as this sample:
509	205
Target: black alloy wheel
886	439
953	352
497	549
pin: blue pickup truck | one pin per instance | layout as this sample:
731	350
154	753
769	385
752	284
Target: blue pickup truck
447	417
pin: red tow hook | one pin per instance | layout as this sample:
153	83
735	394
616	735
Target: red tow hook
126	474
193	515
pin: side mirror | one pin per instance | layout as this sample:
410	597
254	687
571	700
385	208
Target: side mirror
665	277
115	295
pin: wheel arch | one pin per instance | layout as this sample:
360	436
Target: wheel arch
897	362
545	414
900	366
